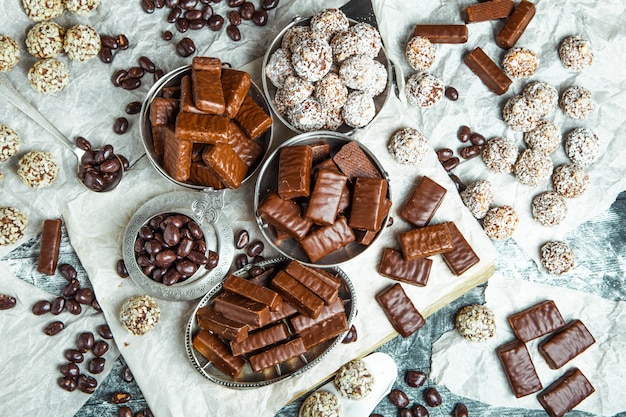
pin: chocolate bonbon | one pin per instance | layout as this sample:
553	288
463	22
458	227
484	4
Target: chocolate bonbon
423	203
566	344
50	245
515	25
393	265
518	368
400	311
536	321
489	73
565	393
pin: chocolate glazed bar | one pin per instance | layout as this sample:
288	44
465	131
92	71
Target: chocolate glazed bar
426	241
566	344
489	73
516	25
260	339
209	319
400	310
217	353
277	354
423	203
462	257
285	216
294	172
536	321
50	245
565	393
442	33
394	266
327	239
519	368
489	10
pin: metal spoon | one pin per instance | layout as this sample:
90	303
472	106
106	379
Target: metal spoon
98	174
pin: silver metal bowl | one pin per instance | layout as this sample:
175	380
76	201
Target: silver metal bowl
270	89
267	183
173	78
289	369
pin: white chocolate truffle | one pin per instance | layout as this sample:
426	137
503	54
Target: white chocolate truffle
13	225
48	76
9	53
82	43
542	97
140	314
353	380
576	102
557	257
40	10
331	92
37	169
520	62
545	137
81	7
328	22
344	45
500	154
478	197
420	53
582	146
519	114
570	180
500	222
279	67
321	404
549	208
370	41
308	115
408	146
476	323
359	109
362	73
576	53
334	119
533	167
312	59
424	89
45	40
9	142
295	35
294	91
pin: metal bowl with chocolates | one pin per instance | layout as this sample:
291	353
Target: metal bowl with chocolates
322	198
206	126
257	327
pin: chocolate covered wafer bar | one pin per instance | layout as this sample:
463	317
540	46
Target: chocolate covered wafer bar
252	291
284	215
160	135
294	172
277	354
519	368
50	245
313	282
487	70
241	309
536	321
177	157
488	10
247	149
327	239
423	203
565	393
326	195
186	96
302	298
400	310
425	241
442	33
202	128
354	162
235	85
201	174
227	165
324	330
462	257
566	344
206	87
218	354
209	319
260	339
252	118
415	272
301	322
515	25
163	111
368	203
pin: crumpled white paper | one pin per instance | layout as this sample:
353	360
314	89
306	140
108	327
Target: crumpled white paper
473	370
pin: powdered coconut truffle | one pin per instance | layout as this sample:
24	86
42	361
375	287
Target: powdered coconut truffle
408	146
321	404
533	167
9	142
48	76
476	323
334	119
9	53
557	257
308	115
279	67
82	43
13	225
37	169
520	62
81	7
582	146
576	53
331	92
549	208
45	40
140	314
296	35
570	180
328	22
344	45
545	137
519	114
369	40
294	91
576	102
420	53
500	154
424	89
40	10
478	197
312	59
500	222
353	380
362	73
359	109
542	97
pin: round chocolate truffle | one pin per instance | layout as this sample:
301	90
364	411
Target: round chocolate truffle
312	59
582	146
478	197
576	53
81	7
549	208
331	92
476	323
9	142
545	137
520	62
533	167
321	404
37	169
9	53
557	257
519	114
542	97
140	314
279	67
408	146
576	102
420	53
82	43
329	22
39	10
424	89
48	76
500	222
359	109
45	40
13	225
570	180
353	380
500	154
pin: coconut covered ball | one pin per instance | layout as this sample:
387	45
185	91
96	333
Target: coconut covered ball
48	76
279	67
40	10
520	63
570	180
140	314
542	97
533	167
353	380
13	224
361	72
420	53
576	53
329	22
82	43
37	169
476	323
478	197
9	142
321	404
576	102
408	146
312	59
545	137
549	208
81	7
500	222
519	114
9	53
307	115
45	40
359	109
500	154
424	89
557	257
582	146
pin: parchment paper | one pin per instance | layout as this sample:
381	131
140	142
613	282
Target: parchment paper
473	369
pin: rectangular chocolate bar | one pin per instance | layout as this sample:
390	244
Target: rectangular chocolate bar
324	164
177	157
284	215
226	164
299	296
324	330
519	368
515	25
241	309
171	91
159	136
205	63
277	354
368	199
442	33
252	291
324	202
400	310
462	257
283	311
325	275
423	203
186	96
206	87
252	118
301	322
354	162
488	10
320	152
50	245
247	149
415	272
202	128
163	111
565	393
489	73
258	340
313	282
425	241
536	321
201	174
294	172
235	85
209	319
327	239
218	354
566	344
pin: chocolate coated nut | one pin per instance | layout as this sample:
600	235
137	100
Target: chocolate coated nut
171	3
193	14
100	348
133	107
110	166
477	139
405	412
420	411
174	14
451	94
84	295
415	378
242	238
122	41
184	247
167	35
235	3
351	336
148	6
398	398
197	258
186	268
233	32
130	83
104	331
451	163
96	305
125	412
457	182
85	342
216	22
171	277
464	133
127	375
96	365
241	260
188	4
120	267
255	271
182	25
58	305
460	410
41	307
54	328
470	152
67	383
109	41
121	125
255	248
260	17
106	55
185	47
197	24
118	77
269	4
258	258
247	10
7	302
124	161
444	154
135	72
432	397
83	143
74	355
159	3
213	260
120	397
207	12
67	271
171	235
86	384
73	307
70	369
146	64
234	17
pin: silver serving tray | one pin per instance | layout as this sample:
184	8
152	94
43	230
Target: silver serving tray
204	209
279	372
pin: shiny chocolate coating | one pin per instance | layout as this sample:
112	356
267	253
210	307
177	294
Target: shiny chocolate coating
398	398
120	397
460	410
464	133
477	139
133	107
67	383
351	336
185	47
118	77
233	32
106	55
83	143
242	238
121	125
451	163
415	378
41	307
84	295
269	4
54	328
420	411
260	17
241	260
109	42
167	35
216	22
469	152
174	14
432	397
67	271
85	342
86	384
444	154
70	370
234	17
7	302
58	305
74	355
247	10
451	93
127	375
73	306
255	248
104	331
148	6
122	41
100	348
125	412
